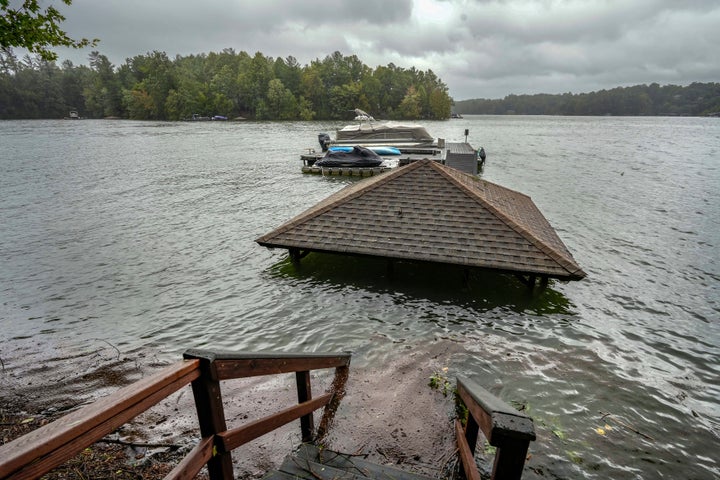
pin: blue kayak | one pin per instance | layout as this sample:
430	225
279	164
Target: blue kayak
378	150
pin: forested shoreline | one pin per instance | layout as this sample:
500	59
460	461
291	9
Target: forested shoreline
696	99
232	84
236	84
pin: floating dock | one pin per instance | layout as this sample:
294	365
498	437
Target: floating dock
461	156
345	171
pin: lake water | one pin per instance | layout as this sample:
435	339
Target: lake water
141	234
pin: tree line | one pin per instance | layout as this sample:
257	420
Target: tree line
694	99
232	84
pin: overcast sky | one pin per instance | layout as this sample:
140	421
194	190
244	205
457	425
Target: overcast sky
480	48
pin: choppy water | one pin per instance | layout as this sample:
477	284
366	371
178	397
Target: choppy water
142	234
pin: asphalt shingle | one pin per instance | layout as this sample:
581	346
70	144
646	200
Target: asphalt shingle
429	212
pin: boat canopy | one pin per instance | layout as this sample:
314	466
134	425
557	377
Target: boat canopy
387	131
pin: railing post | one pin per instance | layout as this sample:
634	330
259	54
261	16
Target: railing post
505	428
509	458
211	414
304	394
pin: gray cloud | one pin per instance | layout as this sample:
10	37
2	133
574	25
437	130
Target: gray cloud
479	48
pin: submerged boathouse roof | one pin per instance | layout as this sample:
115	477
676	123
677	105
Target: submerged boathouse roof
429	212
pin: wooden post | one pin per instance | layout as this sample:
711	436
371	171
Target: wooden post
504	427
211	414
390	270
509	458
528	282
466	278
294	255
304	394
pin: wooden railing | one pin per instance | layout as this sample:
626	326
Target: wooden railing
504	427
41	450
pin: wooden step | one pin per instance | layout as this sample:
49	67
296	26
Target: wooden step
300	468
312	463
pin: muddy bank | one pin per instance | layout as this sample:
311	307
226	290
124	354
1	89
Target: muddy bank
389	412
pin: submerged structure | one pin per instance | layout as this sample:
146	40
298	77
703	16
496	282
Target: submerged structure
430	212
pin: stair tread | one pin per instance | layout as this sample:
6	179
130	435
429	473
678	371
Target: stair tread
355	464
303	468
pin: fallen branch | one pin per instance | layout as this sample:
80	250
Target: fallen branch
712	421
113	346
306	467
624	424
139	444
445	459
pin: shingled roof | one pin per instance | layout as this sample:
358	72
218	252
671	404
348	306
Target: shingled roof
429	212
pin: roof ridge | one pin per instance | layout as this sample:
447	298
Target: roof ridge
570	266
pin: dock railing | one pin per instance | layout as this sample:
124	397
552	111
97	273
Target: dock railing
504	427
41	450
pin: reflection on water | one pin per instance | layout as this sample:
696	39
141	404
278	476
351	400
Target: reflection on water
479	291
141	234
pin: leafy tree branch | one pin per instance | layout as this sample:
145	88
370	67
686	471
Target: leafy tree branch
29	26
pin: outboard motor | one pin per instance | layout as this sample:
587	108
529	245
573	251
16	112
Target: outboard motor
324	140
481	155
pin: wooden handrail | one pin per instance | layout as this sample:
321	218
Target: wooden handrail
41	450
219	365
467	460
236	437
505	428
229	365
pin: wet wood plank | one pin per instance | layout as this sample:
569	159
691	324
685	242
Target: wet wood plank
189	466
466	454
232	439
308	470
238	365
353	464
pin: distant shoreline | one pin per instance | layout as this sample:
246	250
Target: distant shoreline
694	100
116	119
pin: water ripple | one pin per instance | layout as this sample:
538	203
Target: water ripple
142	234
